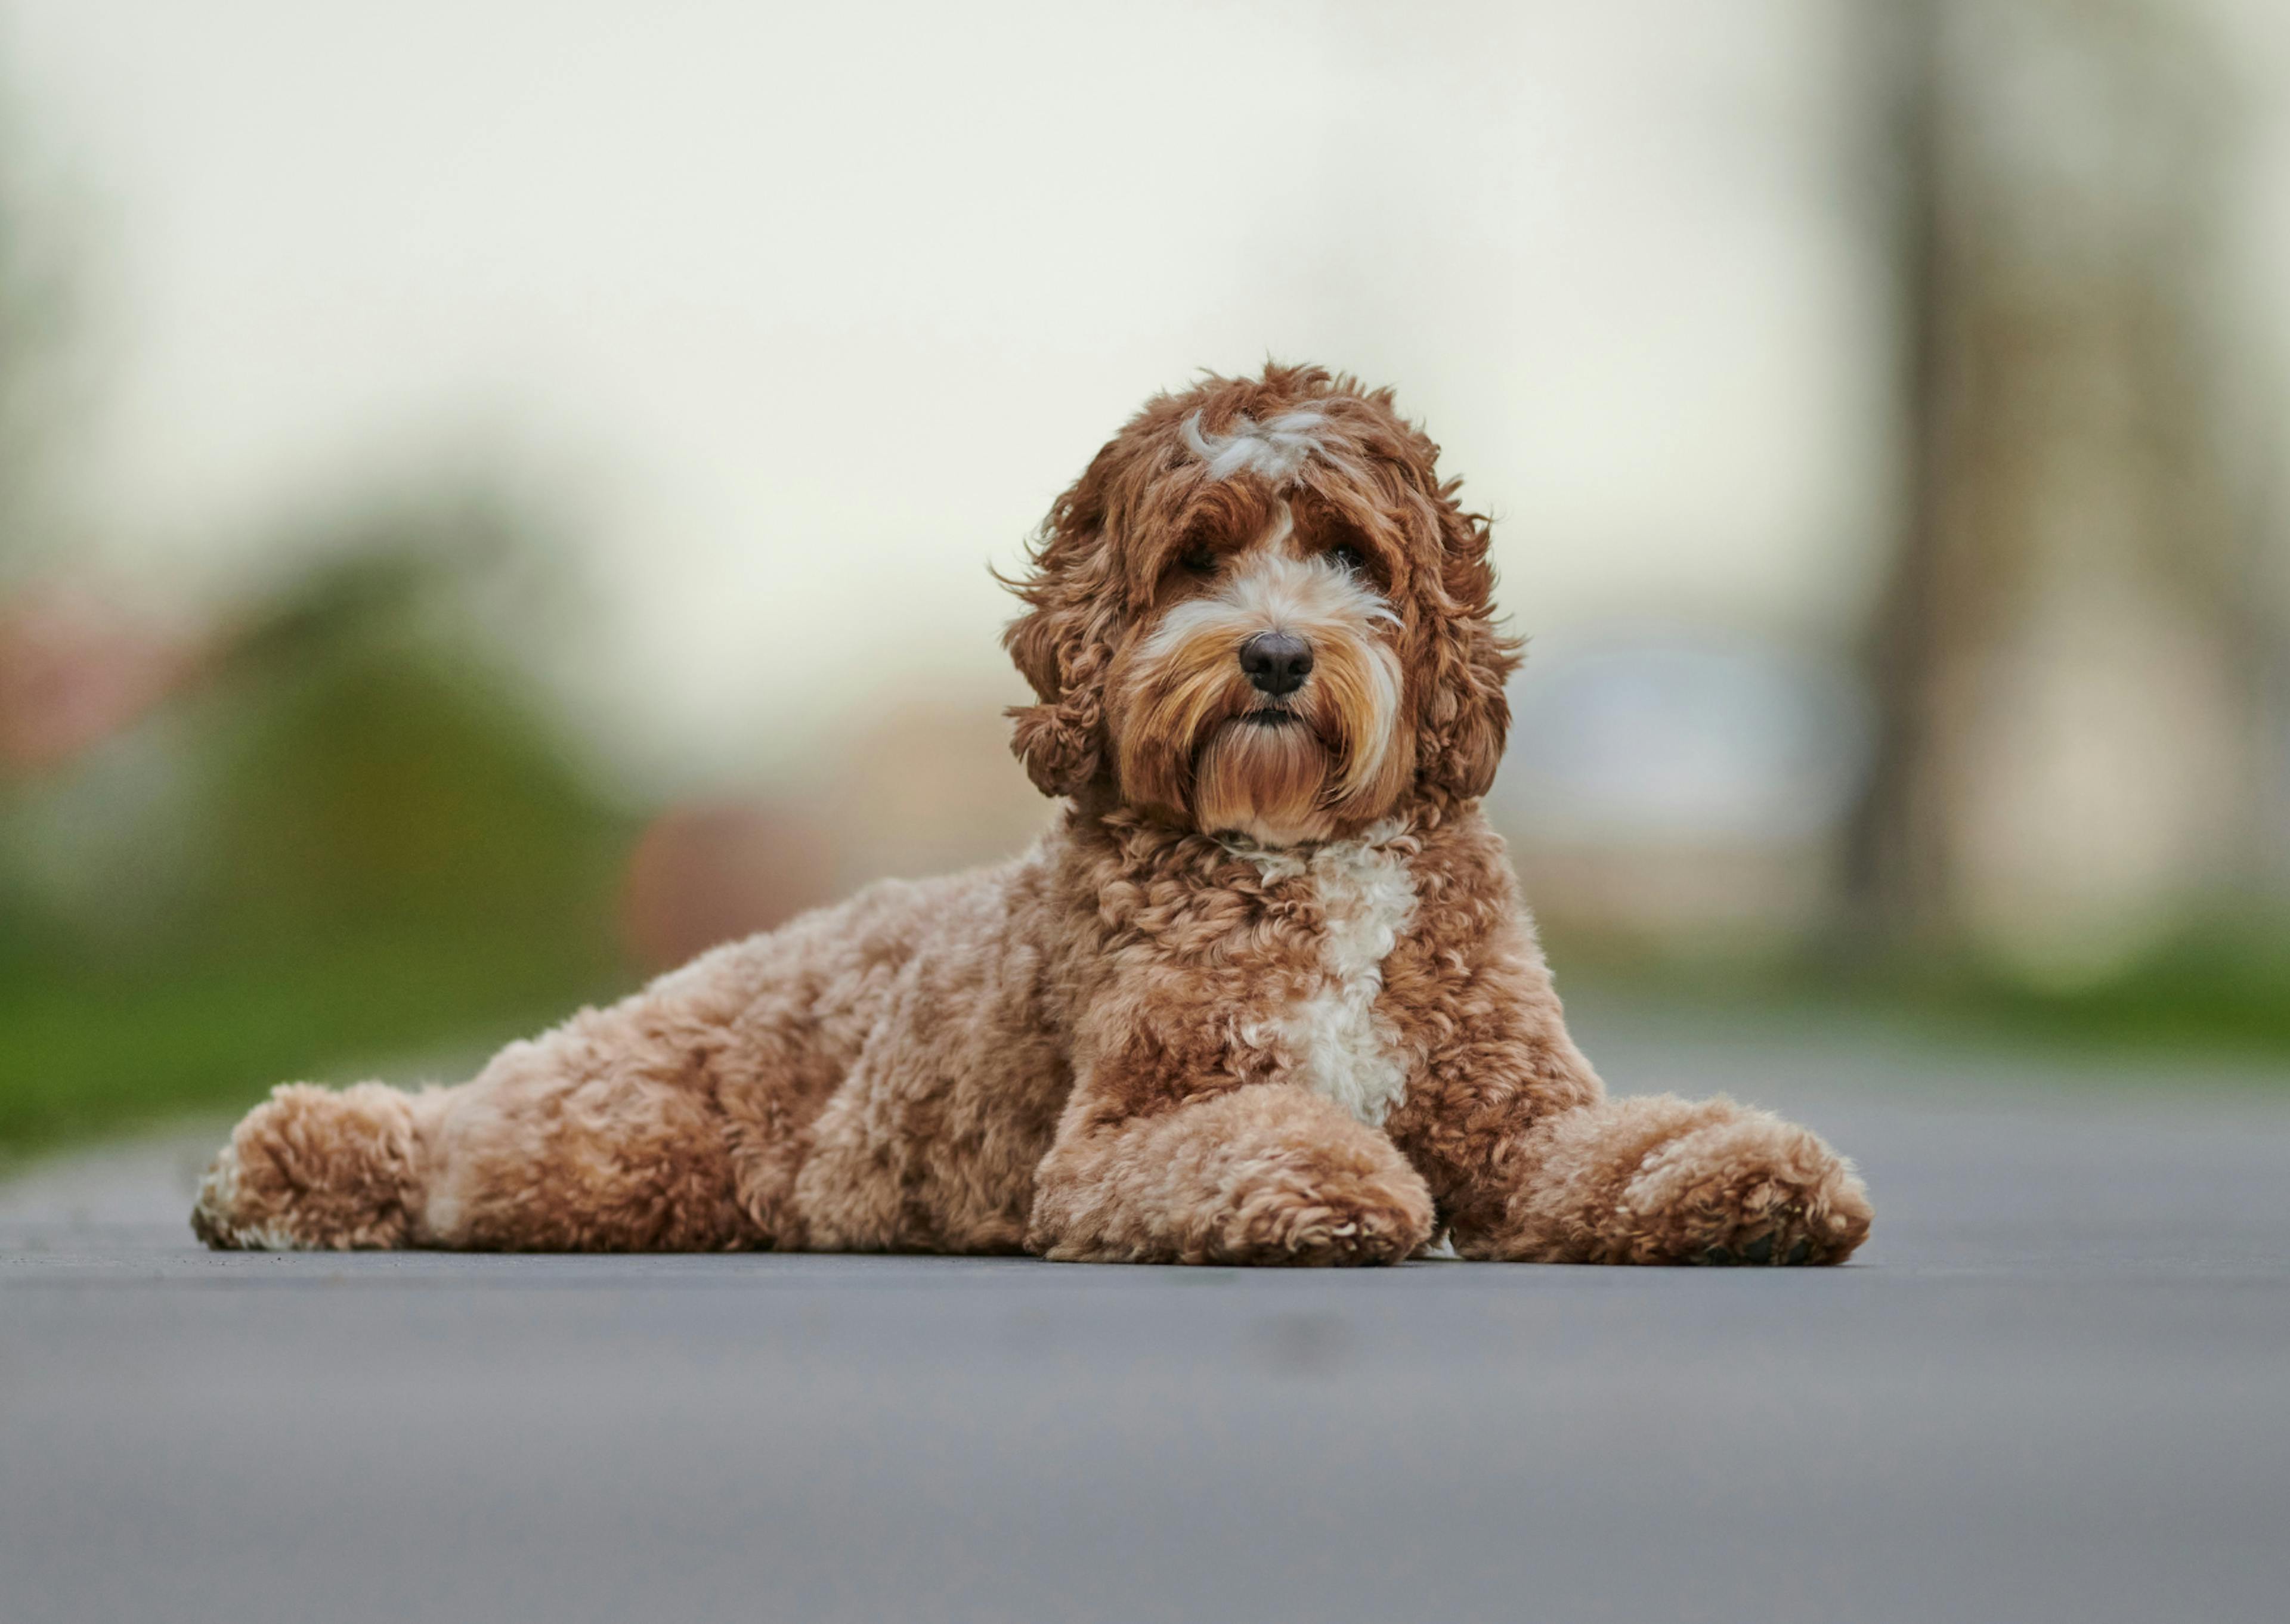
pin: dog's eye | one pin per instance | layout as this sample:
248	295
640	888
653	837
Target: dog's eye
1353	560
1199	558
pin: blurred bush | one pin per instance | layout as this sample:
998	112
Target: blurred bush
337	828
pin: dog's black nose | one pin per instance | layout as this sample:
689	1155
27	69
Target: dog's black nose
1277	662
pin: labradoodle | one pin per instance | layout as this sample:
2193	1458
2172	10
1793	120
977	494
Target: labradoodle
1264	992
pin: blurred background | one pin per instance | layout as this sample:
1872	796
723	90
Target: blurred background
450	453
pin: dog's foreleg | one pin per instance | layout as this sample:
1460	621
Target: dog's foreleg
1655	1178
1650	1179
1531	1161
1263	1172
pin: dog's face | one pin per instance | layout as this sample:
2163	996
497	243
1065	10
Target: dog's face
1261	612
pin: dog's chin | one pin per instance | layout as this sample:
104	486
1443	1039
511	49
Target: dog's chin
1263	775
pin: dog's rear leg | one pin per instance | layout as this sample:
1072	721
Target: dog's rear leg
609	1134
311	1168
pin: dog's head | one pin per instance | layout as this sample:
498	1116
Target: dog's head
1262	612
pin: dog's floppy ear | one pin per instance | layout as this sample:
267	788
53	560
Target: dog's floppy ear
1061	645
1466	717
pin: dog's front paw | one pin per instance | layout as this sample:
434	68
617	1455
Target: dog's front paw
1747	1190
1360	1219
1287	1207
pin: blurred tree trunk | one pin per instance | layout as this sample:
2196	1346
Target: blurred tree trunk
1896	856
2068	654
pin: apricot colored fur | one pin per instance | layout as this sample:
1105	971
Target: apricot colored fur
1318	1030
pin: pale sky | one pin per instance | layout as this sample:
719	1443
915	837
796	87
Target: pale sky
805	314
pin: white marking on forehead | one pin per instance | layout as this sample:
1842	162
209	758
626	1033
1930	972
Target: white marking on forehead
1276	449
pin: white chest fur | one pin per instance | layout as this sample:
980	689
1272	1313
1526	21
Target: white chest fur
1344	1049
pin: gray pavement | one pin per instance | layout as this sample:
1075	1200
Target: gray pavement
2055	1386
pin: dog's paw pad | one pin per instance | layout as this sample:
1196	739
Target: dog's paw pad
1759	1251
1799	1253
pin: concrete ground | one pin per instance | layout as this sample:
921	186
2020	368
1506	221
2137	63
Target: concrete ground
2057	1386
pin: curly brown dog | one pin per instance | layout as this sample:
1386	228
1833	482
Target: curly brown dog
1265	993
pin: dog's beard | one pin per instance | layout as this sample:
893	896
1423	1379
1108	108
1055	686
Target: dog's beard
1265	780
1195	741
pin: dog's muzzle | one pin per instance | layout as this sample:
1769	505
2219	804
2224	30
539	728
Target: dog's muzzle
1277	662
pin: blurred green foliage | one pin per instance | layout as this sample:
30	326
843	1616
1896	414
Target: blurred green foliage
2221	986
2217	990
348	838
